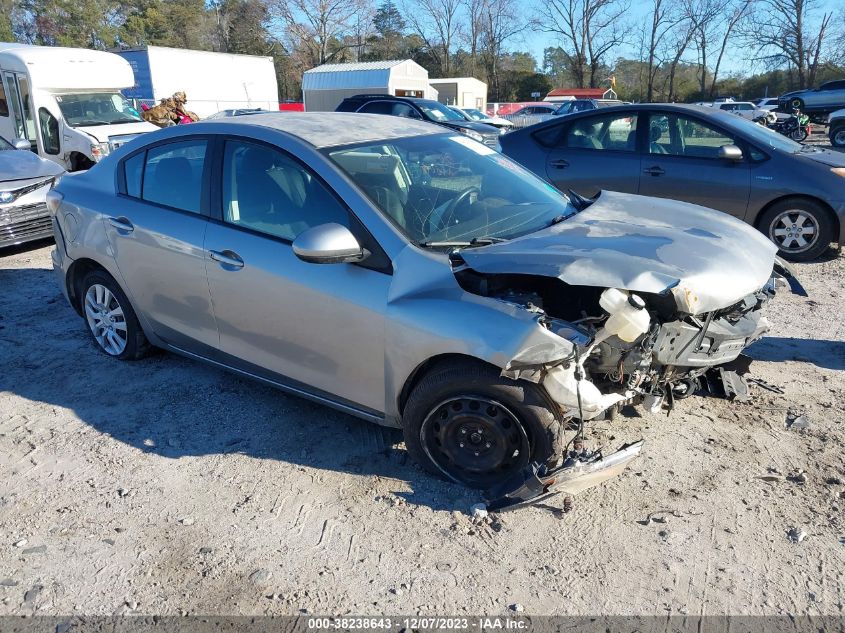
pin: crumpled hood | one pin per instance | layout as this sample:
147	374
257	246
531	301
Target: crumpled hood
707	259
19	164
103	132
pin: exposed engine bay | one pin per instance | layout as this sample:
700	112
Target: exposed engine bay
610	348
623	347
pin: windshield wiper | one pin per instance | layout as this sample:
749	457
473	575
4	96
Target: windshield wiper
476	241
92	123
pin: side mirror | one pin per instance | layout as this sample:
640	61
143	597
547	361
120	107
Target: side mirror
22	143
730	152
328	244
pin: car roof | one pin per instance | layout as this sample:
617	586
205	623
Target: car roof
330	129
724	118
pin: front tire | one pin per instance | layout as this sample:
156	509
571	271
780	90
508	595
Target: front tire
111	320
466	423
802	229
837	135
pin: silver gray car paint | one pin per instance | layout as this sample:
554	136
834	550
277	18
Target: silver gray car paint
354	344
20	164
627	241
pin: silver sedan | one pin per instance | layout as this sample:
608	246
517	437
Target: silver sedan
412	277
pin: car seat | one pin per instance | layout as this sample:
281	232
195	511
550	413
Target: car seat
654	134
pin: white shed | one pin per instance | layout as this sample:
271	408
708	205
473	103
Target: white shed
464	92
324	87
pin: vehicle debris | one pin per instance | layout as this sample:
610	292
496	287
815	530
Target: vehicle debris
800	422
796	534
765	385
580	471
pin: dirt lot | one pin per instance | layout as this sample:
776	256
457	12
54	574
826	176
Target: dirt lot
166	487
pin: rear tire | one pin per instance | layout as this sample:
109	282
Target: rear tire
796	104
466	423
802	229
110	318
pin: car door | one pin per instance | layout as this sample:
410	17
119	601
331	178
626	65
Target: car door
681	161
318	326
596	152
156	228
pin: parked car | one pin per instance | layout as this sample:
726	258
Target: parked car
767	104
792	193
530	114
474	114
836	128
422	110
25	179
582	105
325	257
746	110
817	102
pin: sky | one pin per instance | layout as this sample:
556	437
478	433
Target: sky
736	57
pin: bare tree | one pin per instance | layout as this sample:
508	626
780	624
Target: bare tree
664	19
737	12
500	21
315	28
437	23
784	32
472	33
590	29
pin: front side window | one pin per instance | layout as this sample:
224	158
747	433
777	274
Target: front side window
268	191
49	131
444	188
612	132
684	136
96	108
173	175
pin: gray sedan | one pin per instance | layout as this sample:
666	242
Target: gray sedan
409	276
25	179
794	194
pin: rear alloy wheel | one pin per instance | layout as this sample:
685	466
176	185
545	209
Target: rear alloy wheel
801	229
466	423
797	104
111	319
837	136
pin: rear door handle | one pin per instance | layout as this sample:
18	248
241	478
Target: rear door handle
559	164
122	224
654	171
227	258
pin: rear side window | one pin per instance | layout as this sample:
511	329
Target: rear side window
170	175
4	105
134	171
612	132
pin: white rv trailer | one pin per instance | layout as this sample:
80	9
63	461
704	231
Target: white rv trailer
66	102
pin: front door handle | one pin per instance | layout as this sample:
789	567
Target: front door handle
122	224
227	258
654	171
559	164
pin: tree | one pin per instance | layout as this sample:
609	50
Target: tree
241	27
315	28
499	22
436	22
388	40
590	30
785	32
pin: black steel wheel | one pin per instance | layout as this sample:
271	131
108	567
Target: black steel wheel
466	423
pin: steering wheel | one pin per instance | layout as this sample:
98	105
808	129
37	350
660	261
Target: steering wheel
449	212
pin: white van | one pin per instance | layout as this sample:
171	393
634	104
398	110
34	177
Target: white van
66	102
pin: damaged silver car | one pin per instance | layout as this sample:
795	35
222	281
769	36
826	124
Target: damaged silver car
413	278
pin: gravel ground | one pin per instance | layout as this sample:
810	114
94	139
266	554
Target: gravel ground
167	487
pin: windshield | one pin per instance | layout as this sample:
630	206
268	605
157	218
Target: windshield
476	115
448	188
4	144
766	136
439	112
97	108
